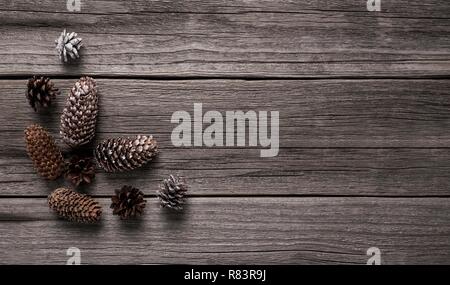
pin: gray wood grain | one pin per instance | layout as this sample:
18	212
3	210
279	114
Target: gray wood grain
236	231
418	8
324	113
296	39
330	131
227	172
378	148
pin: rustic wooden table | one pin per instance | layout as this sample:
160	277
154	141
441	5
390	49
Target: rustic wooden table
364	107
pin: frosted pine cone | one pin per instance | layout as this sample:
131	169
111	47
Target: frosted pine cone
44	152
121	154
74	206
41	91
68	46
80	113
172	193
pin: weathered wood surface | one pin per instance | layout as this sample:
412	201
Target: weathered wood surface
410	8
227	172
323	113
295	39
364	129
343	120
236	231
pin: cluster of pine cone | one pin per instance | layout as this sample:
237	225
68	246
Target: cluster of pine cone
78	124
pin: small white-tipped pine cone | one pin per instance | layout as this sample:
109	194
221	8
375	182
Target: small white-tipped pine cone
68	46
80	113
172	193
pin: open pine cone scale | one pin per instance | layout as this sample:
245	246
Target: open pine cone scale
80	170
40	92
128	202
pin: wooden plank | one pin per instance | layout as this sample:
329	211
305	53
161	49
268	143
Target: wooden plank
349	139
415	8
236	230
324	113
297	40
325	126
227	172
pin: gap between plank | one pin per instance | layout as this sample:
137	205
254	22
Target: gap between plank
238	196
363	13
228	77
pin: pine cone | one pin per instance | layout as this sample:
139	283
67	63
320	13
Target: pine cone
74	206
80	114
172	193
80	170
68	44
128	202
120	154
41	91
44	152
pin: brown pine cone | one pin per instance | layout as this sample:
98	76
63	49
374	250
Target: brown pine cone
43	151
80	114
80	170
121	154
172	193
74	206
128	202
40	92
